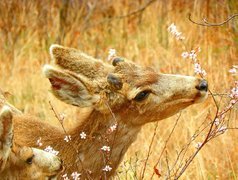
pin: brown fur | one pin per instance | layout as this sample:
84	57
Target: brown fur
81	80
22	162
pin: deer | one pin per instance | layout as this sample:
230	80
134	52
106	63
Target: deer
121	97
22	162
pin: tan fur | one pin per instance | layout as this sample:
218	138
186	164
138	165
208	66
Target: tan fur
81	80
22	162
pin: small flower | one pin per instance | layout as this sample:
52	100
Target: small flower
51	150
234	93
106	148
67	138
193	55
216	122
198	145
111	54
233	70
65	177
112	128
107	168
185	55
62	116
199	70
83	135
198	49
76	175
222	129
38	142
173	30
232	102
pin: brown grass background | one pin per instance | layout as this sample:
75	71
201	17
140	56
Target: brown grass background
28	28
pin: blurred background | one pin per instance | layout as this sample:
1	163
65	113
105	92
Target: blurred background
138	31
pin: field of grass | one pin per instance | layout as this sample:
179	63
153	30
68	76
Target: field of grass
28	28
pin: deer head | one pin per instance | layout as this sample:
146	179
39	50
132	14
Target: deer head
21	162
127	88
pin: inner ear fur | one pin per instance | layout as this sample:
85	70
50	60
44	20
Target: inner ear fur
78	62
70	87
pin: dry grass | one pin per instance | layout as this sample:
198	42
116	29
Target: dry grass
27	28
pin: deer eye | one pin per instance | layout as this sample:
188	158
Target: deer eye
29	160
142	95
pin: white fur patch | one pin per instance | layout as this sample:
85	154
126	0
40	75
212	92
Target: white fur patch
46	160
5	109
47	69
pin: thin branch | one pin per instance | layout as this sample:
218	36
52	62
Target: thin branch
149	151
219	94
209	24
140	10
165	145
115	134
133	13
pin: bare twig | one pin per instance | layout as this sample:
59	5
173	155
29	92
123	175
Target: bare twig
206	23
165	145
149	151
133	13
219	94
140	10
167	163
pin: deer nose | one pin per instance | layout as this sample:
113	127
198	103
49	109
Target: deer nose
203	86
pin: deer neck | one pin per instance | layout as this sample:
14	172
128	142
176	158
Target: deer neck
82	155
101	131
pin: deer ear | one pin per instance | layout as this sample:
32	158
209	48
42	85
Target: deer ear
78	62
70	88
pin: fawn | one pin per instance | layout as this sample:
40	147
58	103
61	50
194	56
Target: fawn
22	162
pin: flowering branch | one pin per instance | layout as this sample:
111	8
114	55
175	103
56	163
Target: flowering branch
217	125
67	138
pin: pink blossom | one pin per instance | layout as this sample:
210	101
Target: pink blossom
83	135
112	128
106	148
216	122
65	177
222	129
107	168
173	30
76	175
185	55
198	145
51	150
111	54
232	70
67	138
38	142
